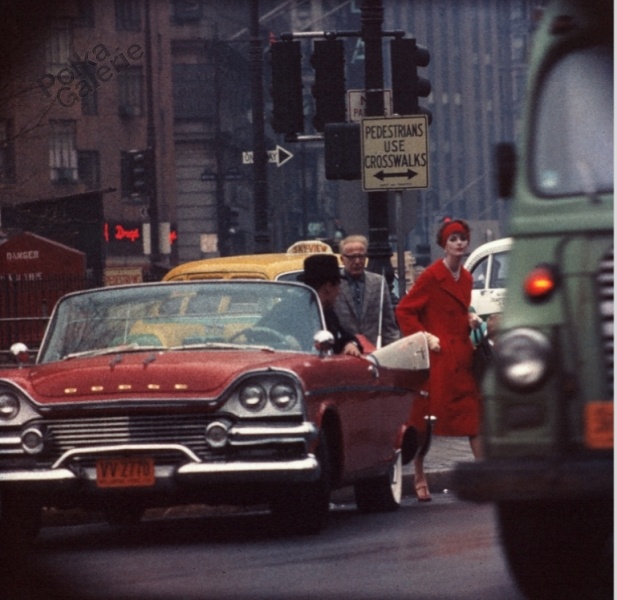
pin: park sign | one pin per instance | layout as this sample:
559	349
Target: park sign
394	153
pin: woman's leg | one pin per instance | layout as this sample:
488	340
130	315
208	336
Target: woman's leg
420	482
475	441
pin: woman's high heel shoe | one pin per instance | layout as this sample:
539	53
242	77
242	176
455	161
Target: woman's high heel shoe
422	492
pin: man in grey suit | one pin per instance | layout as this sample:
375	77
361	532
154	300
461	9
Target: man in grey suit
360	298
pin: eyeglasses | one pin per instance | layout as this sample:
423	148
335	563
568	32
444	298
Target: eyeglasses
355	256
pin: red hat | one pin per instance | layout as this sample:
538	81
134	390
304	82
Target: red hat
452	227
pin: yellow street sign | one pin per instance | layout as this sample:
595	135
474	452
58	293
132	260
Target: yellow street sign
394	153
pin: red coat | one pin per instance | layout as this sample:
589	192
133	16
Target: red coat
438	304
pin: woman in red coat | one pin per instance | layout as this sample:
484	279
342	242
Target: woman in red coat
438	304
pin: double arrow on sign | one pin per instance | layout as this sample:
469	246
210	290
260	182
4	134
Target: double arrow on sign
409	174
279	156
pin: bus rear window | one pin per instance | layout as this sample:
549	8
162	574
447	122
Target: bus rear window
572	141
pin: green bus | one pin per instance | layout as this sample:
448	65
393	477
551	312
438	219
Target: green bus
548	396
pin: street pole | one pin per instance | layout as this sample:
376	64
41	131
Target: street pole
221	226
379	249
153	208
400	247
260	157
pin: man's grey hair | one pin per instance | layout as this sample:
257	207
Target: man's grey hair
352	239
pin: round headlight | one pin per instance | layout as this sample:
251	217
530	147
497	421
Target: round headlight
9	406
217	434
522	357
283	396
253	397
33	440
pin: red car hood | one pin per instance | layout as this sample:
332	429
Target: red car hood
143	375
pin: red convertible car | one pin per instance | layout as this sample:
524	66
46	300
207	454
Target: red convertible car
201	392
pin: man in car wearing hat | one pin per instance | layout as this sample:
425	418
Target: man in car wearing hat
321	272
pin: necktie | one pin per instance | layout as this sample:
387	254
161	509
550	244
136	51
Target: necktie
357	296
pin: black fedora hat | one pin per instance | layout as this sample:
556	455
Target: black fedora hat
320	269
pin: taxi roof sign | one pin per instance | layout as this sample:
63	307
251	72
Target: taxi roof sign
394	153
309	247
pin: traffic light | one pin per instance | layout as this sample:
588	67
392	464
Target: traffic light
232	220
407	86
287	109
328	60
136	173
342	151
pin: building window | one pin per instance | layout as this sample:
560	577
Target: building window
89	102
130	93
128	15
187	10
62	152
7	151
88	168
58	47
85	14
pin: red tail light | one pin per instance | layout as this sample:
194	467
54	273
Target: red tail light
540	282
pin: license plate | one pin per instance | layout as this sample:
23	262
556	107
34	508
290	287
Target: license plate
599	425
125	472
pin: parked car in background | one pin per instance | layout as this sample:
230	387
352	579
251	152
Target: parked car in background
201	392
488	265
548	399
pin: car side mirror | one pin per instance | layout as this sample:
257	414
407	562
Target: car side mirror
323	341
505	168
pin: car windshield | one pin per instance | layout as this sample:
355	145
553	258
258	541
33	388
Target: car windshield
573	134
183	315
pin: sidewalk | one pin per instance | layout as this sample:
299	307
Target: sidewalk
439	463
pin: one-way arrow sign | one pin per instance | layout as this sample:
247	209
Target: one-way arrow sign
279	156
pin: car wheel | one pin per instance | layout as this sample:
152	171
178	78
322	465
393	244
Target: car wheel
383	493
124	514
303	508
20	518
560	549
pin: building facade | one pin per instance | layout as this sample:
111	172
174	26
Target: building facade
85	81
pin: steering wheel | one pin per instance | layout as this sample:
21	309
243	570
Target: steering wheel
265	336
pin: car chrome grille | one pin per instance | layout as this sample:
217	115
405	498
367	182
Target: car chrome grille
187	430
606	295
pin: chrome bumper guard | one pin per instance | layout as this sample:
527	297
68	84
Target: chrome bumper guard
303	469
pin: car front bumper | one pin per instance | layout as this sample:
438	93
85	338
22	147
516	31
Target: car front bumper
303	469
241	463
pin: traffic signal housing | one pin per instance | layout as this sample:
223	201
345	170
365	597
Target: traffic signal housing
231	218
328	60
342	151
407	86
286	91
137	174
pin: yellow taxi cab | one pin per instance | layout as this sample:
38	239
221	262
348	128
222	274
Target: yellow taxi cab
282	266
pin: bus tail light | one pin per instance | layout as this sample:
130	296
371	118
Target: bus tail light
540	282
